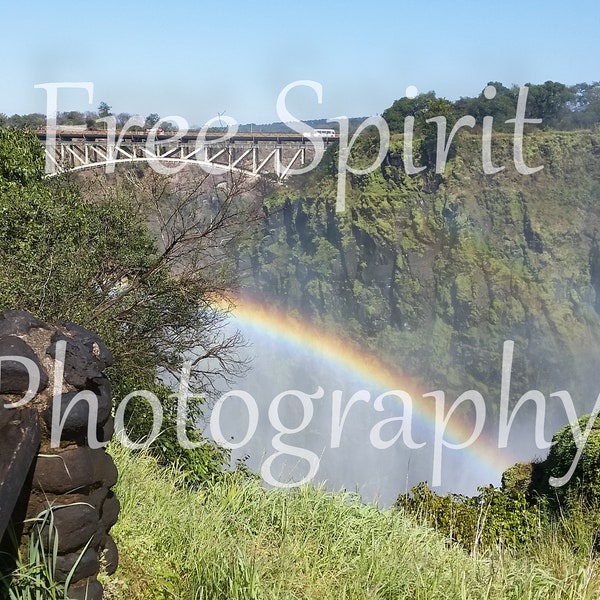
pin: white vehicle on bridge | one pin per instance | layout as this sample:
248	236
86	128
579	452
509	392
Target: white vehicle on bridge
321	133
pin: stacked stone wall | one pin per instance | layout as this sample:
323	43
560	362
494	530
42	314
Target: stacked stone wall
60	493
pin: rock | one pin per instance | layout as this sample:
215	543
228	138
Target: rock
74	525
81	365
14	375
61	495
105	470
111	555
76	424
20	435
110	510
18	322
87	566
92	342
97	497
106	433
90	589
74	470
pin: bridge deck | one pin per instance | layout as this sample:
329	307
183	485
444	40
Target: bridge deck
189	137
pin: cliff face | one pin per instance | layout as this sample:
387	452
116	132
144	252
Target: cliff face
436	271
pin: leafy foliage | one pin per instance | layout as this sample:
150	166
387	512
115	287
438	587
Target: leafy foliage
153	296
33	575
584	486
493	517
21	160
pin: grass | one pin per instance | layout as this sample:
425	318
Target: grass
235	540
32	578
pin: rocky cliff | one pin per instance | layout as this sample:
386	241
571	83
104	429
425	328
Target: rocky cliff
435	271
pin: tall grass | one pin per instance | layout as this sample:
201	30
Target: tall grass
31	577
235	540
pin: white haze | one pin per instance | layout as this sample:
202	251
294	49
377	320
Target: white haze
356	466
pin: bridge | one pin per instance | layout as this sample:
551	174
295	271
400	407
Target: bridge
251	153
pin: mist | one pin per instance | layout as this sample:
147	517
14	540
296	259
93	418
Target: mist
336	450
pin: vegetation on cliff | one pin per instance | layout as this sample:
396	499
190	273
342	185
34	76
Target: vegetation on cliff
438	270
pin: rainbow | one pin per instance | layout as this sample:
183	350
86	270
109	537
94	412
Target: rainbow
259	319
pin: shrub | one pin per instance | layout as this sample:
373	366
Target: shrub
494	517
584	485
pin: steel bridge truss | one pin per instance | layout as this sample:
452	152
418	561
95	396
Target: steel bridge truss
278	158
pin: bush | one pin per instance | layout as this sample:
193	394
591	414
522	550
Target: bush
584	485
494	517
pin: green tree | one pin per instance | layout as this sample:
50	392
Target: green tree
104	109
585	107
501	106
550	102
122	118
156	296
152	119
31	121
72	117
494	517
405	107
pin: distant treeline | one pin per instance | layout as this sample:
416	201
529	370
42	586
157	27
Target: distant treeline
558	105
37	121
354	122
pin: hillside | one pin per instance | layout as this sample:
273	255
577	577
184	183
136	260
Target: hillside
236	540
435	272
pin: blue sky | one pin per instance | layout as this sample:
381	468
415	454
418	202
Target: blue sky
198	59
